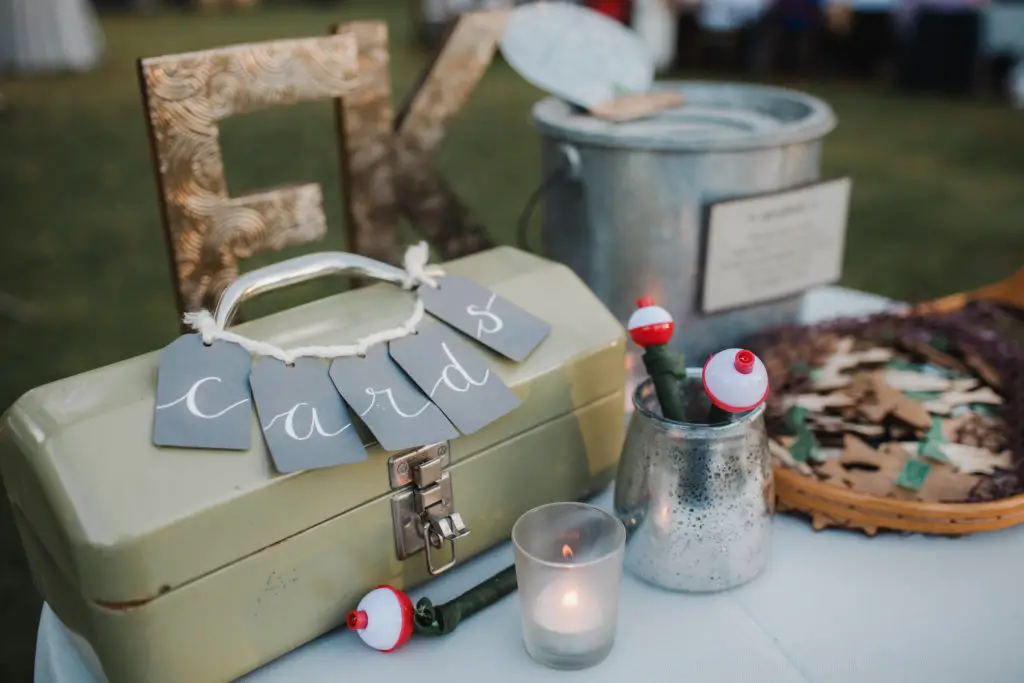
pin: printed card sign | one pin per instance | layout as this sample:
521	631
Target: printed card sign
483	315
202	396
453	376
396	411
770	246
304	421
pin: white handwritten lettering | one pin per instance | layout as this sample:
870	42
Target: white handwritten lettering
387	392
190	401
484	314
314	426
456	366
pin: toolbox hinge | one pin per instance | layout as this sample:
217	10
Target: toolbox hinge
423	510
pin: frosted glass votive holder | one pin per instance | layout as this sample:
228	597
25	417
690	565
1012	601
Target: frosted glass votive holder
569	560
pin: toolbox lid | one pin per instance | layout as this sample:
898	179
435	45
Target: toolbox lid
127	521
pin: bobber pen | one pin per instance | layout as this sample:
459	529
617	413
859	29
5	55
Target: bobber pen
651	329
385	618
735	381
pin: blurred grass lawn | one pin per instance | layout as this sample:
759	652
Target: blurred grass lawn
938	202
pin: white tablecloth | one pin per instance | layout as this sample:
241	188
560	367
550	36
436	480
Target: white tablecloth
832	607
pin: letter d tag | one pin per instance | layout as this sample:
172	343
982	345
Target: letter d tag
304	421
453	376
478	312
202	396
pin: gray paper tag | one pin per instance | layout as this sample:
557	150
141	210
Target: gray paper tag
396	411
454	376
305	423
202	396
484	316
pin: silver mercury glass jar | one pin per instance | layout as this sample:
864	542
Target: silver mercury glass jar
697	500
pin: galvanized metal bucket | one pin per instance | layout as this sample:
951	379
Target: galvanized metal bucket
625	202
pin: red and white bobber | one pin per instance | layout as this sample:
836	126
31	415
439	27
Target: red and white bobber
650	325
383	619
735	380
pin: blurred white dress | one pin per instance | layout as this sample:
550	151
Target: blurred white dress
49	35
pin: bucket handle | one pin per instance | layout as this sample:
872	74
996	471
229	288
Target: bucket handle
567	168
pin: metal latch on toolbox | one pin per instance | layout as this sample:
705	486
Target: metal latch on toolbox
423	511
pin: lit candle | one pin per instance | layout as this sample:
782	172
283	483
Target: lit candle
563	608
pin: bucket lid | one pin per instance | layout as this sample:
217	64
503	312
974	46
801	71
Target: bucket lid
575	53
713	117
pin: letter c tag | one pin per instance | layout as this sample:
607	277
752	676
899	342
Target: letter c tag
202	396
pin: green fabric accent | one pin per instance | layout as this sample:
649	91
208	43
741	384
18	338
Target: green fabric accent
806	447
931	368
932	450
982	410
935	433
900	364
796	419
913	475
922	396
940	343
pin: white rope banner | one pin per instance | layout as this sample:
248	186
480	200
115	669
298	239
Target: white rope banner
417	273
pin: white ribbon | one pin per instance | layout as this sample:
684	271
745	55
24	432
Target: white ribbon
417	273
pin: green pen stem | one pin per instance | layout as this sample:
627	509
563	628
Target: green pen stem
667	371
718	416
440	620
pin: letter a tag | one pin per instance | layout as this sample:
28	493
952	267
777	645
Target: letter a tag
304	421
483	315
396	411
453	376
202	396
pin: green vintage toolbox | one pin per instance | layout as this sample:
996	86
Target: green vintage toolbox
178	565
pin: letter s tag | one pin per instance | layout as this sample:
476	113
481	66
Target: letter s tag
454	376
304	421
202	396
484	316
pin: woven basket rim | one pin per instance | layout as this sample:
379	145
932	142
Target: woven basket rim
824	490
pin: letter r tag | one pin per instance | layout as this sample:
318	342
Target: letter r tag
395	410
453	376
202	396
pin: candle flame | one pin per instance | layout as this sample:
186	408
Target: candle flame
570	599
566	552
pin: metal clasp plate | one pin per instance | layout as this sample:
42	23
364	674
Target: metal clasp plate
423	511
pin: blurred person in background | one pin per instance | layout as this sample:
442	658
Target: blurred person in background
788	36
940	42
